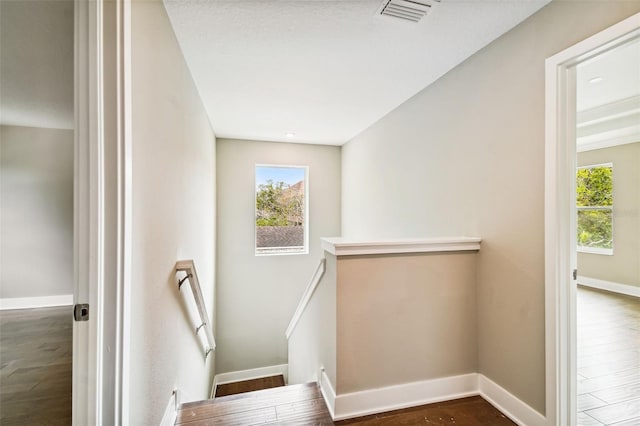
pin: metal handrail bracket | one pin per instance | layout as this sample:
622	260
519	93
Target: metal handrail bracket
188	267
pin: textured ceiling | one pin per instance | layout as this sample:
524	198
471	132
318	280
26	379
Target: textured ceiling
324	70
36	63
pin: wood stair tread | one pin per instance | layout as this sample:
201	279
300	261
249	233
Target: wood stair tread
272	405
244	386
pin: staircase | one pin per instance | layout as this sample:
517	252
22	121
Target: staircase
294	404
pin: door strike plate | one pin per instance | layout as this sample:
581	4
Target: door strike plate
81	312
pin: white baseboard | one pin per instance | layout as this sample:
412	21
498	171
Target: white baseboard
171	412
373	401
614	287
508	404
36	302
406	395
254	373
328	393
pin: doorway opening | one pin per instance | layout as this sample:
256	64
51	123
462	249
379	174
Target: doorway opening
572	126
37	220
608	226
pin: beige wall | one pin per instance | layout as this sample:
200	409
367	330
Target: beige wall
257	295
405	318
466	156
36	224
173	218
312	344
623	267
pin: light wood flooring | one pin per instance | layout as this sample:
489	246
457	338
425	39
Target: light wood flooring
35	366
608	358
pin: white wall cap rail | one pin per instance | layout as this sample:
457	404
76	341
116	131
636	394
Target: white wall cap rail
306	297
188	267
351	247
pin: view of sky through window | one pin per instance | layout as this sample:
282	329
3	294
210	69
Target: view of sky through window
288	175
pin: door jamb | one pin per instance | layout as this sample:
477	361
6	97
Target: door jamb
102	210
560	251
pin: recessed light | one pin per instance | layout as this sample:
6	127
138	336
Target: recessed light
596	80
290	135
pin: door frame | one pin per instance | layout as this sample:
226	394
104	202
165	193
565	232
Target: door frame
560	215
102	210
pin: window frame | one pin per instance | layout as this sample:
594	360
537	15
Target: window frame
597	250
305	247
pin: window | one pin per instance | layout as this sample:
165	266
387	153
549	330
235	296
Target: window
281	210
594	204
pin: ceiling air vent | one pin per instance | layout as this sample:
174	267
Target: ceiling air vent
409	10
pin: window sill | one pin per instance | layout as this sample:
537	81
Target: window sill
281	252
601	251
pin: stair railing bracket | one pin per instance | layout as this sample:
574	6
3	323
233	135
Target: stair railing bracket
182	281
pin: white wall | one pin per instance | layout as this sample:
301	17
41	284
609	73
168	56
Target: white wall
173	218
623	266
257	295
36	223
466	156
312	344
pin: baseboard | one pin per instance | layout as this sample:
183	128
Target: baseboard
254	373
614	287
171	412
328	393
406	395
373	401
36	302
508	404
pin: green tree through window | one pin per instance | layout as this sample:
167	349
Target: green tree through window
594	202
279	204
280	219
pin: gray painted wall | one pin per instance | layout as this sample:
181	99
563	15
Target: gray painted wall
257	295
173	164
36	197
466	157
623	267
36	63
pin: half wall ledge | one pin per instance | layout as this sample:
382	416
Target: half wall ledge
351	247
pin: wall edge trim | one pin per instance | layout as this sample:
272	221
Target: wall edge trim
346	247
328	393
626	289
396	397
36	302
511	406
171	412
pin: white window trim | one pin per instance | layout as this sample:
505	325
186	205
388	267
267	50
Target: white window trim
595	250
294	250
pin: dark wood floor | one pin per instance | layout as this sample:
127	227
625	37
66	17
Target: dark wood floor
35	366
297	404
470	411
35	377
608	358
249	385
304	405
